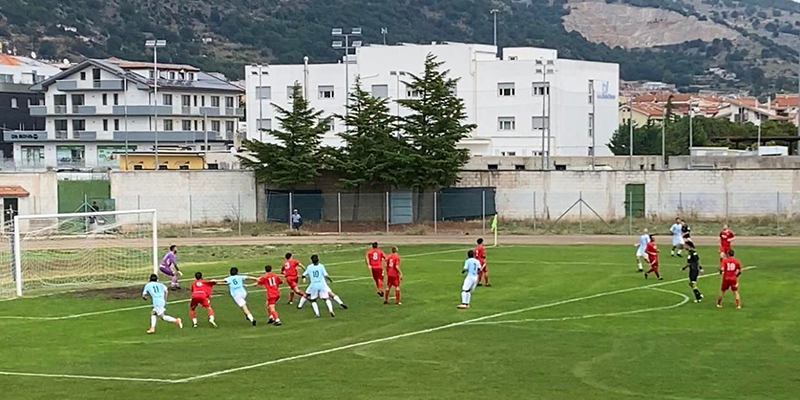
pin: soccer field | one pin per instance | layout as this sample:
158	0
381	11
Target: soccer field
559	322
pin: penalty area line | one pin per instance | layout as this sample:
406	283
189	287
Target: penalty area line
423	331
91	377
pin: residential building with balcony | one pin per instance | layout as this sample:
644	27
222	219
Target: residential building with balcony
527	103
99	108
17	74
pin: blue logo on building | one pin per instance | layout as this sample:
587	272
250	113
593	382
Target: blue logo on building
605	94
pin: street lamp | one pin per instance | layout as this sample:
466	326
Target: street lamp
691	131
155	45
346	45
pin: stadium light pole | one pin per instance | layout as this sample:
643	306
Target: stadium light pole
691	131
630	133
346	45
664	139
155	45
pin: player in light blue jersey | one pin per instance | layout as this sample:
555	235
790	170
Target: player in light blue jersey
318	288
471	268
158	294
677	237
235	284
641	253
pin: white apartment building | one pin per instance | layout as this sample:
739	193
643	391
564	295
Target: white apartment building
512	100
98	108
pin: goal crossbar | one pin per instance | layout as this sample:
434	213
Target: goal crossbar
17	243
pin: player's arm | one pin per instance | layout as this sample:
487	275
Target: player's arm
302	267
144	295
366	260
399	271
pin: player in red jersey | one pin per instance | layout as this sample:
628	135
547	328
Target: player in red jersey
652	255
730	269
480	254
374	258
271	282
201	295
393	276
289	271
726	237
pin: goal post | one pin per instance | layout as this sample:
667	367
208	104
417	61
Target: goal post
56	252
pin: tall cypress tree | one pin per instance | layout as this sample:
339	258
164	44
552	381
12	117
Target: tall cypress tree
371	154
297	157
434	129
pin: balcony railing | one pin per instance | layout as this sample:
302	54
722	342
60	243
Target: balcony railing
165	136
38	111
84	110
142	110
107	84
60	109
234	112
186	110
62	135
71	163
84	135
210	111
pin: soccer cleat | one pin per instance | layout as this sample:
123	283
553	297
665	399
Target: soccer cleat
480	284
179	322
399	303
344	306
254	322
645	276
277	323
462	306
333	315
738	307
660	278
488	285
270	322
380	294
194	325
385	302
719	305
214	324
151	330
290	303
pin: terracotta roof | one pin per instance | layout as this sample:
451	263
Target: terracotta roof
784	101
125	64
662	98
651	110
13	191
9	60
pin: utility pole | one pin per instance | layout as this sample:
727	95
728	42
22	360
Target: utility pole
691	131
594	124
664	139
545	119
630	134
155	45
346	45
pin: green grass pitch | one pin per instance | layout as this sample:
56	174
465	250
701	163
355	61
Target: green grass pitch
562	322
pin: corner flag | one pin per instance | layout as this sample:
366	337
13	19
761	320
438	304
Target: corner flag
494	229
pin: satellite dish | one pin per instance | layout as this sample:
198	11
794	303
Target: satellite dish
65	61
33	55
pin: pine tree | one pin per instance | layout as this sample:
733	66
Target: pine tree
433	130
371	155
297	157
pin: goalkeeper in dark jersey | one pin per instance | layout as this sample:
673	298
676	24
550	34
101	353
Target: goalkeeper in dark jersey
686	233
695	269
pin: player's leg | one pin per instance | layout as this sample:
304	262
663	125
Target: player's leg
240	299
337	299
153	320
377	277
193	312
324	295
480	276
303	299
737	297
397	295
486	276
274	314
171	274
313	300
211	318
386	294
168	318
639	261
722	291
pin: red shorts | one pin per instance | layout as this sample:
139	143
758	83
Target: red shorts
732	284
271	301
292	282
392	280
724	249
377	273
202	301
654	266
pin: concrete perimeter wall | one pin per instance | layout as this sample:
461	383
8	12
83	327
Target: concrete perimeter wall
691	193
183	197
43	189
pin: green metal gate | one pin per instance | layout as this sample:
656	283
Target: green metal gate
77	196
634	200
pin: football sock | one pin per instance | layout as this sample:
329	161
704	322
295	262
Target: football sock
397	295
302	302
315	307
291	297
338	300
210	316
738	303
464	298
153	321
697	294
329	305
640	265
386	295
192	314
168	318
250	317
194	321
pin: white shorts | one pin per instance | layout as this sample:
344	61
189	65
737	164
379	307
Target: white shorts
677	241
469	283
318	292
640	252
239	298
159	310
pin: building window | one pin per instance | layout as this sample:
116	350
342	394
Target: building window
506	123
265	123
263	92
380	91
172	75
506	89
70	155
6	78
116	99
591	91
229	102
83	76
182	76
116	124
541	122
191	76
202	101
186	100
167	124
105	125
326	92
105	99
106	156
412	93
508	153
541	88
519	167
79	125
591	151
331	125
215	126
14	103
492	167
195	100
186	125
61	125
214	101
230	126
96	74
167	99
591	125
77	100
289	92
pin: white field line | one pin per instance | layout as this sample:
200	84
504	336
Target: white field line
350	346
424	331
490	261
89	314
588	316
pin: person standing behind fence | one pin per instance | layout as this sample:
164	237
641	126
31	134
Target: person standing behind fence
297	220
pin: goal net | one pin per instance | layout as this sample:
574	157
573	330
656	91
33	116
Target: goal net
62	252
